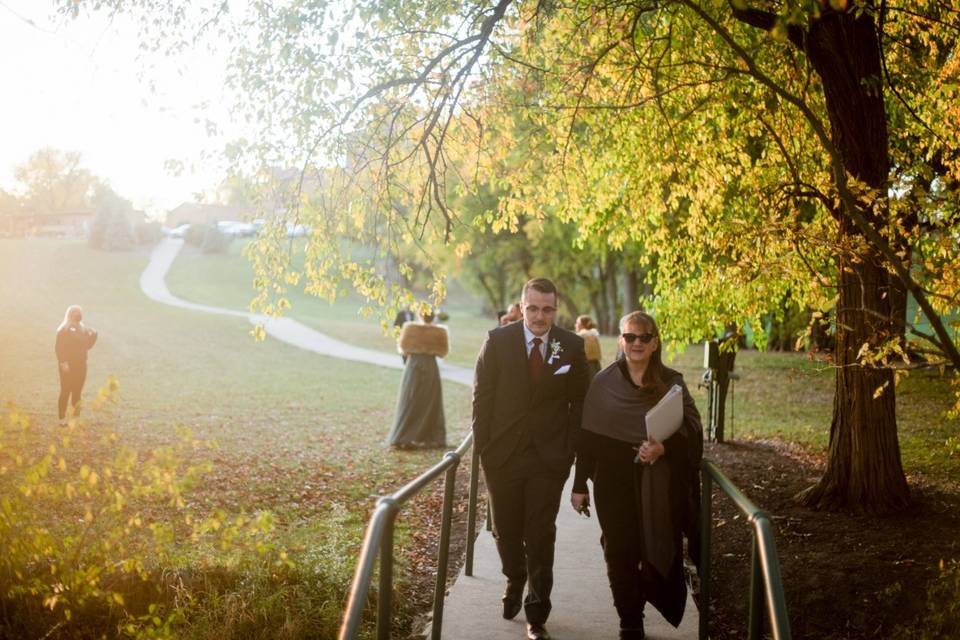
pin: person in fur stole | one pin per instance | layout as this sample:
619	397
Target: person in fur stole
587	330
419	418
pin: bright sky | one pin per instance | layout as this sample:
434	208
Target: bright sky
77	86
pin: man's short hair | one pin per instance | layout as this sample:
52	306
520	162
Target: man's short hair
540	284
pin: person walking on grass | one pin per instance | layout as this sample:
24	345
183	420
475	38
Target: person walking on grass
531	377
74	340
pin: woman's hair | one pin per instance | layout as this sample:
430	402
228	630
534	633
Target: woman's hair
73	315
653	376
585	322
426	314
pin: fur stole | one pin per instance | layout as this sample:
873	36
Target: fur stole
423	338
591	343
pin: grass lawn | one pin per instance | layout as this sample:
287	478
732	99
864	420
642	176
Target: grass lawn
301	435
779	395
227	280
298	433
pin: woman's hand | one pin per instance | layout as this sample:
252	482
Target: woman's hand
579	501
649	451
65	367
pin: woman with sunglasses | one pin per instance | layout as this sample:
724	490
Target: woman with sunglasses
645	491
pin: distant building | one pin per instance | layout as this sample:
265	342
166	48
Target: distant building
32	223
196	213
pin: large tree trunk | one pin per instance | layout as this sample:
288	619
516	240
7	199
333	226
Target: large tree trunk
863	464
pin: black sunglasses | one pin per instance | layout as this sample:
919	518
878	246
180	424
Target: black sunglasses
643	337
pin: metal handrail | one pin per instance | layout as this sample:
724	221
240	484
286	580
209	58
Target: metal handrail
379	541
765	581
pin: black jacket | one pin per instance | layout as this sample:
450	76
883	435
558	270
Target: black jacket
73	343
508	408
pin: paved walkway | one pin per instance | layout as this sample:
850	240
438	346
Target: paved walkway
582	606
284	329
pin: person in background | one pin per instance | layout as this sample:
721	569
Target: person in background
513	314
74	340
587	330
419	418
403	316
645	491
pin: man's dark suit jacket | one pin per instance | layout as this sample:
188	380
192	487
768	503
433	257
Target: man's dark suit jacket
508	408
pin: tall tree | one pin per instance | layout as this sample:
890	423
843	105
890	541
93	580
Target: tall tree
54	181
750	141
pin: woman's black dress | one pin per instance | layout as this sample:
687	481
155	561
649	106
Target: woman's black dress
643	509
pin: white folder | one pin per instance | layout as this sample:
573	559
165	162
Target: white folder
665	418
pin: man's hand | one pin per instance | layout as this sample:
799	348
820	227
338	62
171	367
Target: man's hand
580	502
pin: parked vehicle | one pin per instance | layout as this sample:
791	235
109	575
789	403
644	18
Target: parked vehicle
177	232
237	229
297	230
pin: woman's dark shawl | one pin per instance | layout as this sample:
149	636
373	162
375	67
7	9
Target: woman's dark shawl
615	408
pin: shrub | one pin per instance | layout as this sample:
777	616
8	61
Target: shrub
97	540
215	241
111	231
148	233
98	229
119	236
195	234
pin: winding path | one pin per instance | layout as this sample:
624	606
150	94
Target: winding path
153	284
583	607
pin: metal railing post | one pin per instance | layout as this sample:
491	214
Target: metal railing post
443	548
472	510
379	541
767	601
706	531
385	591
350	627
776	601
755	629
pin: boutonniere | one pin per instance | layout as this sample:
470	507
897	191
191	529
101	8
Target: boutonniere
555	350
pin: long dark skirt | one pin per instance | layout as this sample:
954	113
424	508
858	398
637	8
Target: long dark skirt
633	580
419	421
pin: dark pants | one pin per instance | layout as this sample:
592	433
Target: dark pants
524	501
71	384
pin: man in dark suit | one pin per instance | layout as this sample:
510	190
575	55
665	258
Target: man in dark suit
528	392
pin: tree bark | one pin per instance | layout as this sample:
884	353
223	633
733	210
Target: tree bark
631	294
610	292
864	470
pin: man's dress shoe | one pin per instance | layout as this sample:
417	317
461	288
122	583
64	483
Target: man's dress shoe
537	632
511	607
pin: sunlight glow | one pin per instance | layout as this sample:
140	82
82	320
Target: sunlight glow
77	86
